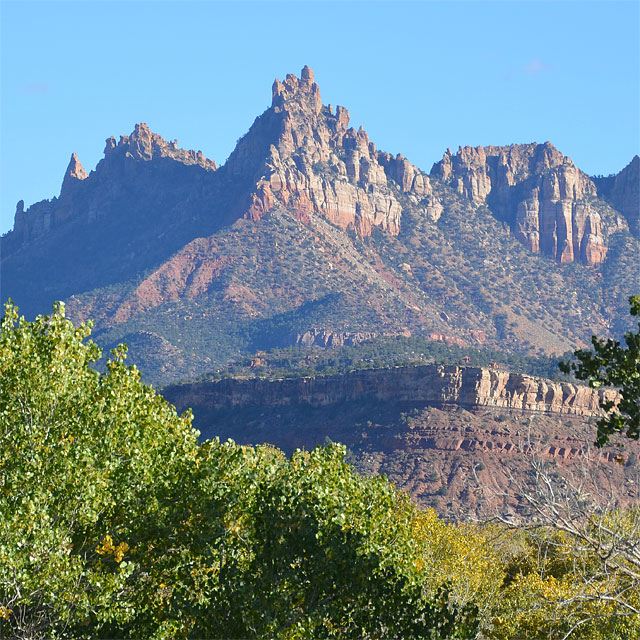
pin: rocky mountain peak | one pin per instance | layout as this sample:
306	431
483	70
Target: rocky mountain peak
142	163
314	163
144	145
75	169
75	172
294	94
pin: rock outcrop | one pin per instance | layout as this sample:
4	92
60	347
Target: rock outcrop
129	174
429	385
144	145
333	339
625	194
304	156
544	197
455	438
75	173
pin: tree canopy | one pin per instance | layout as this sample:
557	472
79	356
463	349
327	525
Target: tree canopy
116	523
610	364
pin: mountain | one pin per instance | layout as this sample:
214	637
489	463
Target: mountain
444	433
309	235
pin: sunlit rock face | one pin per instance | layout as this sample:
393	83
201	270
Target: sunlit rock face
303	155
546	199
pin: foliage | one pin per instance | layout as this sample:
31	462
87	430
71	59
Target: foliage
573	565
85	461
294	361
609	364
331	554
556	590
114	523
461	556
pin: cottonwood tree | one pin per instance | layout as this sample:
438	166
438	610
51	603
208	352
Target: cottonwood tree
576	573
115	523
86	459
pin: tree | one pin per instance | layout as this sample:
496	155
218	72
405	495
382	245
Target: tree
115	523
610	364
573	555
86	460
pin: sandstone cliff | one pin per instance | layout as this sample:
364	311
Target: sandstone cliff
548	202
431	385
625	194
304	156
455	438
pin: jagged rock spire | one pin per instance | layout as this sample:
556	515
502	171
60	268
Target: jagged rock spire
75	172
302	156
75	169
144	145
304	91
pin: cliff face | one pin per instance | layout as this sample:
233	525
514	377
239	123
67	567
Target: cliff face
625	194
432	385
302	155
455	438
546	199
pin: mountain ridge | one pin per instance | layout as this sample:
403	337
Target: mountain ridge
222	261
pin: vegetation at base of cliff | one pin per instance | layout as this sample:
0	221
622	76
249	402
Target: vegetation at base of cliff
393	351
115	523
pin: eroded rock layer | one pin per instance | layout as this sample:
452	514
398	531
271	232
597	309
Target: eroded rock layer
140	166
304	156
429	385
459	439
547	200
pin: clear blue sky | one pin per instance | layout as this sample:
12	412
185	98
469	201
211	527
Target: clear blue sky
418	76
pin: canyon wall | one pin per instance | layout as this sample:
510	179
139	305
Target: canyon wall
429	385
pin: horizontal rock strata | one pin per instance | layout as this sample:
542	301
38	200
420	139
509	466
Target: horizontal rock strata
429	385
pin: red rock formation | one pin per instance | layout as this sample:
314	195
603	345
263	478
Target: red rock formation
316	164
464	429
625	194
75	172
144	145
432	385
546	198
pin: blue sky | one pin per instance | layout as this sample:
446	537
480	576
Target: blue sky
418	76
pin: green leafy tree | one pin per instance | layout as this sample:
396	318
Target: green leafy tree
610	364
86	461
115	523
